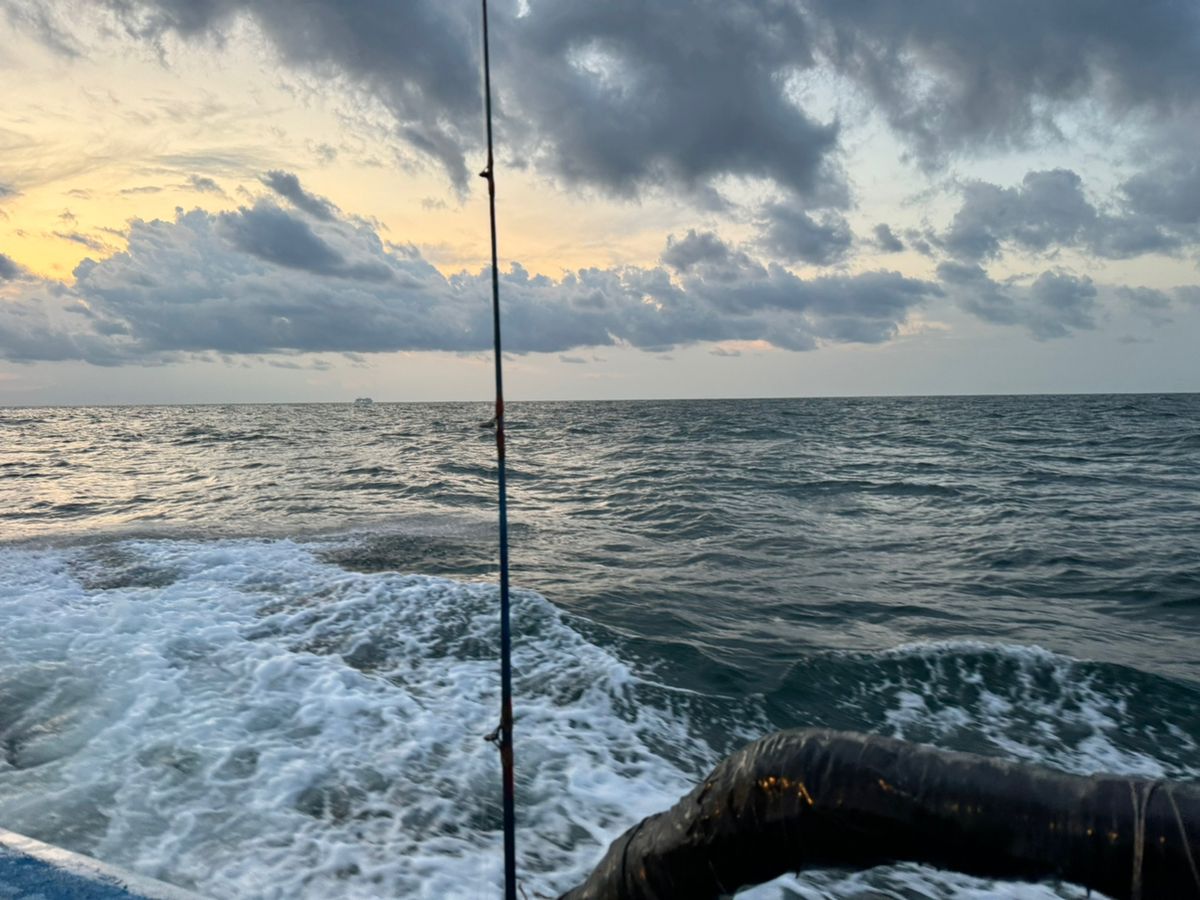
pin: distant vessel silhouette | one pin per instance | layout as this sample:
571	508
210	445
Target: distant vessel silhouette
363	401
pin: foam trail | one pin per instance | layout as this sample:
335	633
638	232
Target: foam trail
260	723
1033	705
248	719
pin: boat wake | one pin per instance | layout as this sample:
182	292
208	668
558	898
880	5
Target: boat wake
247	718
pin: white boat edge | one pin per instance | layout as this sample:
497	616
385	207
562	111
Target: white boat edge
91	870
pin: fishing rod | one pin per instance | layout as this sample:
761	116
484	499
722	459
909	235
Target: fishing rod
503	736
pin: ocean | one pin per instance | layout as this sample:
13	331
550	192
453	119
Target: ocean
252	650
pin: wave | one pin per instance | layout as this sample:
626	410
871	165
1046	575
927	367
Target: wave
1020	702
281	718
246	719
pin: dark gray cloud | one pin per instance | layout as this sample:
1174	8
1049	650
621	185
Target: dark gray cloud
204	185
634	93
1168	192
84	240
1150	303
9	270
703	247
1127	236
921	240
961	76
1144	297
978	294
629	94
789	233
41	321
416	57
287	185
1055	305
7	191
1063	304
1049	210
620	96
886	240
260	280
271	234
275	236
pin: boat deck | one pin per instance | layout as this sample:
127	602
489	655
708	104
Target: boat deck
31	869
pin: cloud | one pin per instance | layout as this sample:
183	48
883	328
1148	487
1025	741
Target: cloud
287	185
1049	210
1055	305
315	365
683	253
1150	303
275	236
921	240
790	234
9	270
325	153
41	321
885	240
1169	192
271	234
76	237
952	76
619	97
260	280
418	58
44	23
1063	303
7	191
204	185
634	94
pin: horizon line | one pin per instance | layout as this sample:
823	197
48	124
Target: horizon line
484	400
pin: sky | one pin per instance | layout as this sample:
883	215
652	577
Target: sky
278	201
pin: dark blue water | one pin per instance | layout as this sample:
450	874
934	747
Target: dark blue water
250	649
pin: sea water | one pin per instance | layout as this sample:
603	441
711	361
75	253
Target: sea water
252	650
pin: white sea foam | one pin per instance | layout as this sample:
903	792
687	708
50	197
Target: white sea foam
261	724
246	719
1047	708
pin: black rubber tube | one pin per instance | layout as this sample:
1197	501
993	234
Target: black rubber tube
814	798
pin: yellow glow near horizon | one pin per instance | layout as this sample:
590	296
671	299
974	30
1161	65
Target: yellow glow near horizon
94	142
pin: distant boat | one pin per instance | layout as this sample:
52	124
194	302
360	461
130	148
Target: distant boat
363	401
